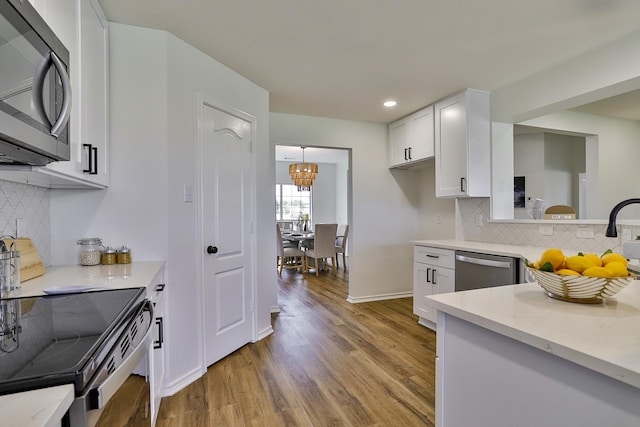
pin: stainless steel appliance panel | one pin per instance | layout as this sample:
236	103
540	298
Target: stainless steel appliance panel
35	91
475	270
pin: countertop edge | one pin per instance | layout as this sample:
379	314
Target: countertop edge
43	407
559	349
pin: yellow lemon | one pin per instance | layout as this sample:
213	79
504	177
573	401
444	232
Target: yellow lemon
606	259
552	255
579	263
596	272
567	272
617	269
595	258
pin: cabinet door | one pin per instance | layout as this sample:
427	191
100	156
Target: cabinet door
397	143
451	146
444	280
156	355
420	135
94	89
422	287
83	28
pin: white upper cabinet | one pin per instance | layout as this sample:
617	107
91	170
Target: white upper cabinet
411	138
462	145
83	28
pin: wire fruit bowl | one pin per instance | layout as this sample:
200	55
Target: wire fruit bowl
580	289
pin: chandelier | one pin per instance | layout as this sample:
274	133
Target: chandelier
303	173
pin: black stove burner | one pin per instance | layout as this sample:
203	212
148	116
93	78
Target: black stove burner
53	340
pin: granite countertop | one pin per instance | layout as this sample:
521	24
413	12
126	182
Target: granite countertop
602	337
45	407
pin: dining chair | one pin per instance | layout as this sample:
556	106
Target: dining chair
288	256
324	242
341	244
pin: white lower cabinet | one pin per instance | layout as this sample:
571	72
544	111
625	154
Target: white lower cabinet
152	367
433	273
156	353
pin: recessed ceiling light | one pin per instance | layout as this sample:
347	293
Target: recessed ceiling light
390	103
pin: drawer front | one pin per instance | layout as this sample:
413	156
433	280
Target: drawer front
439	257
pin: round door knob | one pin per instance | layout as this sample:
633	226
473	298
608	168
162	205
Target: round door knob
212	250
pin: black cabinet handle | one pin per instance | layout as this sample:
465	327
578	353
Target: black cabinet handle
92	159
405	154
410	154
428	270
158	343
160	287
212	249
433	277
463	186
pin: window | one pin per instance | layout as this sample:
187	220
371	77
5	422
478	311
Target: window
291	203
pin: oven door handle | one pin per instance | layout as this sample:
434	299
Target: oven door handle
99	394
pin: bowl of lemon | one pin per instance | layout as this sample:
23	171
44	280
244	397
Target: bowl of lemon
583	278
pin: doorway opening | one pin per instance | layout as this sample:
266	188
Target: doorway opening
330	194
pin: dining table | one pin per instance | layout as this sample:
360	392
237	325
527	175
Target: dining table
300	238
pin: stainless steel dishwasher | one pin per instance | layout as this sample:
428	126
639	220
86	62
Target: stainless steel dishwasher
475	271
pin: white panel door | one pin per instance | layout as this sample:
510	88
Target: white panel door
226	228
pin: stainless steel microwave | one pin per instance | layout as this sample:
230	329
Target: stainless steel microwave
35	92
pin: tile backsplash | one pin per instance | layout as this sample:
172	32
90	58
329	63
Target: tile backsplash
527	233
31	204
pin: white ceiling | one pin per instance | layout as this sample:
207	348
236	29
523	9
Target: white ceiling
342	58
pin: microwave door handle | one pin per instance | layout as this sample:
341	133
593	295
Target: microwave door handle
65	113
38	87
38	99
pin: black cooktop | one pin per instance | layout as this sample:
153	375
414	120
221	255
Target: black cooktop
51	340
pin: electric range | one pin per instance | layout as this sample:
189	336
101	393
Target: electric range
79	339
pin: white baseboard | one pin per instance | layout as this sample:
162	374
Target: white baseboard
382	297
264	333
182	382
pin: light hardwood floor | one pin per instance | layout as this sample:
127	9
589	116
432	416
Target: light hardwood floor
328	363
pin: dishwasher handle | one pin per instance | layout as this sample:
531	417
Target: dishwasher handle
485	262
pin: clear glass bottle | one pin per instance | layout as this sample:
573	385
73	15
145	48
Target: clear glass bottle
90	250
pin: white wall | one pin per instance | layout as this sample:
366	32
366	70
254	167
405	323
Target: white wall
437	218
154	81
384	204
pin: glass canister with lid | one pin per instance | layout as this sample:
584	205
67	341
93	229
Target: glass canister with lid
124	255
90	250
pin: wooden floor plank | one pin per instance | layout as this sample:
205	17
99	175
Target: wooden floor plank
328	363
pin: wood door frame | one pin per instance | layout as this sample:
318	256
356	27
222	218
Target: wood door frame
202	102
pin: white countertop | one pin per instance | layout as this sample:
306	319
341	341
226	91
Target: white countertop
602	337
116	276
45	407
531	253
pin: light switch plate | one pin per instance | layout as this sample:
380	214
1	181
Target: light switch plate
188	193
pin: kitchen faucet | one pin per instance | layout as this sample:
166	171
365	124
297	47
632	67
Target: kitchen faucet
611	228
